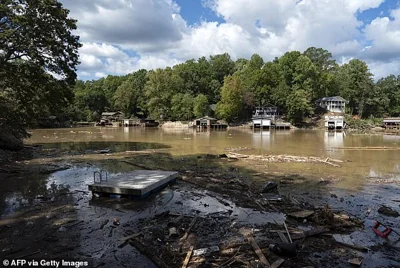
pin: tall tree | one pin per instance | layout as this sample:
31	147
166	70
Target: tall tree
356	85
36	46
231	104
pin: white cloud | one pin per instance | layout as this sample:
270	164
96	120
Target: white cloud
121	36
384	33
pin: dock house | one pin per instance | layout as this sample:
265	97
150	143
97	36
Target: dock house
111	118
334	122
208	122
267	117
391	122
333	104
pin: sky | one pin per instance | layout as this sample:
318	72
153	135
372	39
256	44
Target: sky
123	36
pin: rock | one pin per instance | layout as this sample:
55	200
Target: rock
173	232
301	214
269	187
388	211
284	249
62	229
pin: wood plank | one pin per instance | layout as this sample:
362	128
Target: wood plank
193	222
277	263
187	259
123	239
257	250
282	237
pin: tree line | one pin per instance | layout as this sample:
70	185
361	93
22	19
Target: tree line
231	90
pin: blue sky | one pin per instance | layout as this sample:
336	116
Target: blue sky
122	36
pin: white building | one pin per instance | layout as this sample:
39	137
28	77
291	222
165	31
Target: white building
334	122
333	104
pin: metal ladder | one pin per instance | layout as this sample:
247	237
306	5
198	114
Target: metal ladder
100	178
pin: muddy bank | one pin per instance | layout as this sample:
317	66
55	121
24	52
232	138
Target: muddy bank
216	203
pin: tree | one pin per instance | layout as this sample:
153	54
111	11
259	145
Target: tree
298	105
356	85
231	104
182	106
38	59
160	88
125	98
201	106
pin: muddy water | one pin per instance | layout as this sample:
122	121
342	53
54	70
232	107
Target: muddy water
358	164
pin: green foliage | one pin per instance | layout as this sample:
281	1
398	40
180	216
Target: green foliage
182	106
35	42
356	85
298	105
231	104
201	106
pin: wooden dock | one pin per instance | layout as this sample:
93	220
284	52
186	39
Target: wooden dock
139	183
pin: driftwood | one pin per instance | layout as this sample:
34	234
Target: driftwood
185	236
286	158
257	250
370	148
287	231
187	259
126	238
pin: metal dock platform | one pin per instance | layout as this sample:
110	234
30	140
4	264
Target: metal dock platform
138	183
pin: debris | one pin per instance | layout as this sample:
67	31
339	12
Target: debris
257	249
189	228
282	237
315	231
116	221
173	232
355	261
287	231
385	233
271	197
126	238
301	214
277	263
62	229
284	249
347	241
388	211
188	255
269	187
204	251
105	151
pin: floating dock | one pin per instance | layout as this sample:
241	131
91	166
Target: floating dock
138	183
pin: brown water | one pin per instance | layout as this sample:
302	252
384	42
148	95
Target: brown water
358	164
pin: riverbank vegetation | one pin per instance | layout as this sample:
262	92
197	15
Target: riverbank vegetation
230	90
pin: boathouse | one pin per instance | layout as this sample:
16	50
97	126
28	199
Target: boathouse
267	117
208	122
391	123
333	104
112	116
334	122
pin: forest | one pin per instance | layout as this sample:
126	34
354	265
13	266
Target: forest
230	90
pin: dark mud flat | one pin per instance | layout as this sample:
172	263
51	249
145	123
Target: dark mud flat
214	204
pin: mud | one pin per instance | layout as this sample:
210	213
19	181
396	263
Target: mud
47	211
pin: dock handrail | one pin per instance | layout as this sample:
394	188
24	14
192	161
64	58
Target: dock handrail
100	177
94	177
